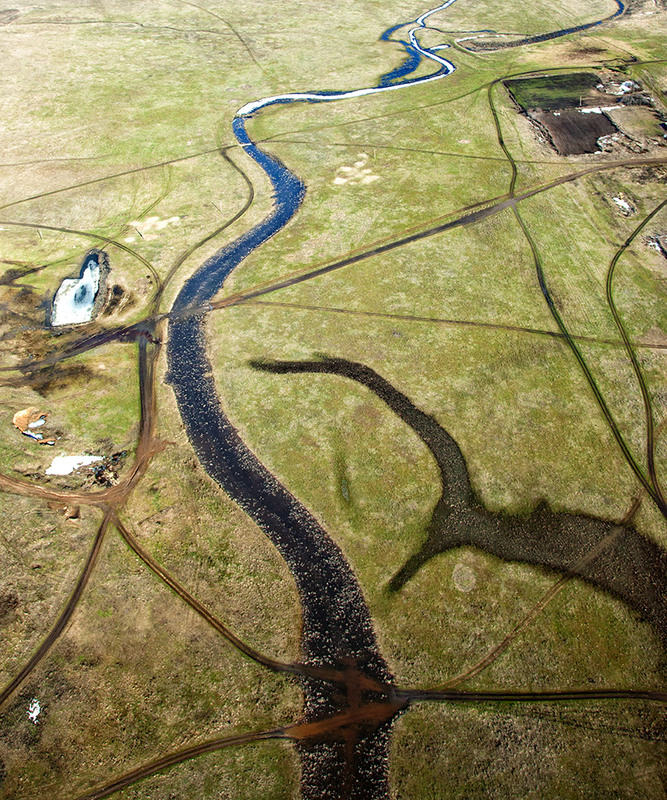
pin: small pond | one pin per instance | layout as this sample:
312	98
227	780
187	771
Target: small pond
75	300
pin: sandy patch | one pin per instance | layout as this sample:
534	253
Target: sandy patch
357	174
149	227
464	578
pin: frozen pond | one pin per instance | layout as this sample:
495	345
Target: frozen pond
75	299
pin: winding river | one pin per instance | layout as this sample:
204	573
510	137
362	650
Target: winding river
337	628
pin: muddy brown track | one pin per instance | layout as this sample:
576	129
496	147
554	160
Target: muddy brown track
359	716
64	616
341	726
199	608
109	500
344	677
147	447
177	757
115	496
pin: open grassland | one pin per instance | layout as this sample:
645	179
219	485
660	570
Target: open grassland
201	537
106	380
565	750
92	403
114	115
42	555
108	687
540	17
371	480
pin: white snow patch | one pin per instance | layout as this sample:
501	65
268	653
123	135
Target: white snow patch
621	203
64	465
596	109
75	298
34	710
628	86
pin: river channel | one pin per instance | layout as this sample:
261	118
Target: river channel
337	627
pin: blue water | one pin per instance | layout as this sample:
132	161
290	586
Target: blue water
337	625
410	64
288	192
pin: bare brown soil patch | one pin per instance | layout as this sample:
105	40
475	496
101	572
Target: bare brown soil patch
574	133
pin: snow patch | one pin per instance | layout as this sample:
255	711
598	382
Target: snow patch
75	299
623	204
64	465
34	710
596	109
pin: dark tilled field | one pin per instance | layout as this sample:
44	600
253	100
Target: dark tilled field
573	133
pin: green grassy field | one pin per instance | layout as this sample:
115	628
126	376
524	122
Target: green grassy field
114	116
555	91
